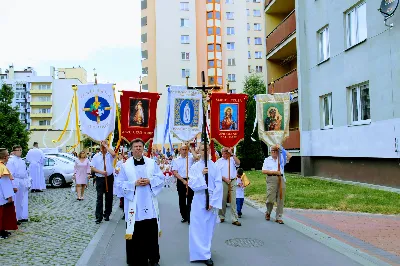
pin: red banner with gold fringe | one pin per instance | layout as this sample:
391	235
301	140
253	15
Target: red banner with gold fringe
138	115
227	118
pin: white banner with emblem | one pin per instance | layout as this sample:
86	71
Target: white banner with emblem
184	113
96	110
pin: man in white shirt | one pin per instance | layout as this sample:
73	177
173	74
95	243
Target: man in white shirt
140	180
227	165
203	219
103	167
36	160
276	181
179	169
21	181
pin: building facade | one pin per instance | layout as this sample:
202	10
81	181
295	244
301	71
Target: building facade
181	38
281	62
44	103
349	91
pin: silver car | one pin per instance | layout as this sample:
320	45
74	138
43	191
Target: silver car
57	171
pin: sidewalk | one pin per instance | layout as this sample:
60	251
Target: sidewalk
257	242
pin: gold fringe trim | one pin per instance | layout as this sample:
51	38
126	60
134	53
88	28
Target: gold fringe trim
128	236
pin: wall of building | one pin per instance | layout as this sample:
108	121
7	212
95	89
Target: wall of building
78	73
375	60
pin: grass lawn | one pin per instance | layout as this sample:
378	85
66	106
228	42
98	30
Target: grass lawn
309	193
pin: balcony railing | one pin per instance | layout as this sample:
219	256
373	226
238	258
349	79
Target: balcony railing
37	103
286	83
293	141
41	115
282	32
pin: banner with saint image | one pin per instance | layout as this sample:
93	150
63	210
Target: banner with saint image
138	115
184	117
273	116
96	110
227	118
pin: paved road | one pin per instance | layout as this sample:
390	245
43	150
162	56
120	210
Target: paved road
275	244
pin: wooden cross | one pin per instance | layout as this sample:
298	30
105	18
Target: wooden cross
97	105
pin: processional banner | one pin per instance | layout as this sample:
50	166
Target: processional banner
138	115
97	110
184	113
273	116
227	118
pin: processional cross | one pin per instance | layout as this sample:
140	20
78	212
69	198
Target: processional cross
205	90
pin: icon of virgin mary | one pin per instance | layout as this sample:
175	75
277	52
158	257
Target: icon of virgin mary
228	123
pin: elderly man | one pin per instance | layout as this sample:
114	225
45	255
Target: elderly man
274	168
227	165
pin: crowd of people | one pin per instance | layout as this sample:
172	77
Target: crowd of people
137	180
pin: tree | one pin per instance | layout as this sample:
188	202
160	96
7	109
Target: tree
251	152
12	130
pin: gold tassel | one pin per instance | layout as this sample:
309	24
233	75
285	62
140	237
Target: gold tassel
128	236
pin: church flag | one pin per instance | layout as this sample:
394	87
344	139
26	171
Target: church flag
184	113
227	118
138	115
273	116
96	110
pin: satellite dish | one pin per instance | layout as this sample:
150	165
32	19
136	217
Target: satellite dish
388	7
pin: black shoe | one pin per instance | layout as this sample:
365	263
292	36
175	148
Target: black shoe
184	220
209	262
154	264
98	221
23	220
19	222
107	218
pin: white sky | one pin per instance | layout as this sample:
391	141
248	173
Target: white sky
41	33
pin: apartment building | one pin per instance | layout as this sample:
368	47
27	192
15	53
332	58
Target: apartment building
43	101
349	91
181	38
281	62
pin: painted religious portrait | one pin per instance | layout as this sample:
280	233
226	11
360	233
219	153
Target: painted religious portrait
273	114
138	112
186	112
228	116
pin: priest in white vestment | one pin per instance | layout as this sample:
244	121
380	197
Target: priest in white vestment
21	181
202	220
36	160
140	181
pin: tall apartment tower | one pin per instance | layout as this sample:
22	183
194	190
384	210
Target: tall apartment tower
281	55
182	38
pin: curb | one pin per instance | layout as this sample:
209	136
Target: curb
103	234
333	243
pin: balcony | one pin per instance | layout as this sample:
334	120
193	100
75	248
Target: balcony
45	115
36	103
41	91
282	32
286	83
279	6
293	141
36	127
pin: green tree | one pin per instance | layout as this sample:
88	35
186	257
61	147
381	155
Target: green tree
87	143
12	130
251	152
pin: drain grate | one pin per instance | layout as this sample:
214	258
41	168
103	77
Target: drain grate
244	243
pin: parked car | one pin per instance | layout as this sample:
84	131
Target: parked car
67	156
58	171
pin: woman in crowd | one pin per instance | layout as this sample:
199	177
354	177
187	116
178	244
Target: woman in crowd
82	172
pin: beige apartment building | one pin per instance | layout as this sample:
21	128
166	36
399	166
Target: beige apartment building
181	38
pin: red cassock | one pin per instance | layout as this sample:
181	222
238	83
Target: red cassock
8	217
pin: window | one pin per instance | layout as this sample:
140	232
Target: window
210	31
211	63
258	55
210	47
230	31
356	25
248	12
185	6
44	122
144	4
210	15
326	111
218	31
185	73
185	56
256	1
229	15
48	161
144	21
44	87
145	55
257	41
257	26
231	62
258	69
218	15
219	80
184	22
145	71
256	13
185	39
360	104
323	43
218	47
229	1
230	46
144	38
248	26
231	77
44	99
211	80
145	87
44	111
248	55
248	40
17	95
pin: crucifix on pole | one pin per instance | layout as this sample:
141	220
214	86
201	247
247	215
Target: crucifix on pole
205	91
